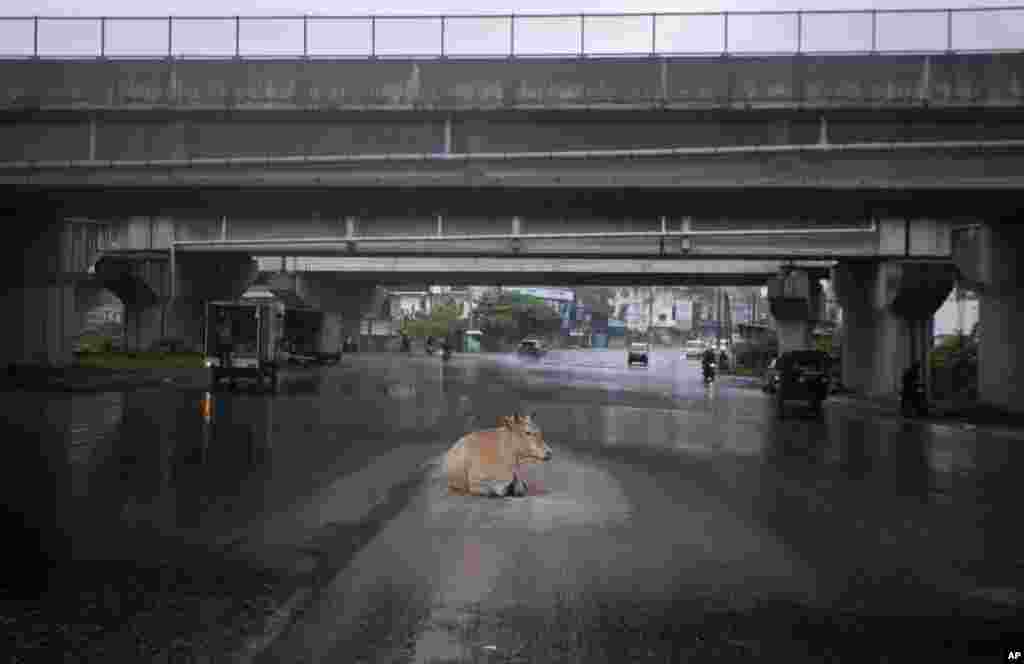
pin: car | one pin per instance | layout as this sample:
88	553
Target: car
770	380
694	350
638	353
532	348
804	375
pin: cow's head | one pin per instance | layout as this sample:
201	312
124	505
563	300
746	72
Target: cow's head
534	448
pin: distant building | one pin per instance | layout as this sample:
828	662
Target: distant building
406	304
659	307
409	303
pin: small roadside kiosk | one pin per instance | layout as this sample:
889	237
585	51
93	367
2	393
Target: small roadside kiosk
472	343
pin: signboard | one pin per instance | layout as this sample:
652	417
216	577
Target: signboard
559	294
709	328
682	313
742	312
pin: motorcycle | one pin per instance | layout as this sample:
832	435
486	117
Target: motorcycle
446	353
709	373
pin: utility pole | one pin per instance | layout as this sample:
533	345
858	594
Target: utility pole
650	315
719	317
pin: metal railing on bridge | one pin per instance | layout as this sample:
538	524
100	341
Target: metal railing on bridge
815	32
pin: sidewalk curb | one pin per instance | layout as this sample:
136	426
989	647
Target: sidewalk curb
941	418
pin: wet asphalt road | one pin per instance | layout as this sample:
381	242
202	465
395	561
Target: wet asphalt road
660	488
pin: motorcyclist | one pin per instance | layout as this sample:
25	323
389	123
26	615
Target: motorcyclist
708	364
446	348
430	345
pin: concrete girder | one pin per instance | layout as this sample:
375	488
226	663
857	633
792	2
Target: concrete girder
783	81
530	271
878	168
160	137
344	303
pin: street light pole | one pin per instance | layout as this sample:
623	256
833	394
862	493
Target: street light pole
650	315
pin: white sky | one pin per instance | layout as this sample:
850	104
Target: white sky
1002	30
265	7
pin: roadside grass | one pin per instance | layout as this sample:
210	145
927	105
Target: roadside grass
745	371
140	360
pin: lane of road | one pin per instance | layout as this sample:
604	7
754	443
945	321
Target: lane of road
660	489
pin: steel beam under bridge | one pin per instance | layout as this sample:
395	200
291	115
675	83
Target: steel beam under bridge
469	271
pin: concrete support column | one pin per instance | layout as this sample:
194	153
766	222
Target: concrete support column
989	261
887	317
181	319
1000	351
144	286
795	302
40	272
344	304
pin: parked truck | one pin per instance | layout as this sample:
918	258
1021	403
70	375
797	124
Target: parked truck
303	335
242	342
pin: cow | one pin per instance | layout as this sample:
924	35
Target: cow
486	463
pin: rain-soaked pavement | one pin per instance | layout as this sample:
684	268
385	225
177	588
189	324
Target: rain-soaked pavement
676	522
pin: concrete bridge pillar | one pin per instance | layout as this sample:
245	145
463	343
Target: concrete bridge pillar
344	303
989	260
887	312
143	283
795	302
43	259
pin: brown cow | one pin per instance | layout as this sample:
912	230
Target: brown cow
485	463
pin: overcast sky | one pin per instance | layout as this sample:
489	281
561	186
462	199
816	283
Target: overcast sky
264	7
1003	30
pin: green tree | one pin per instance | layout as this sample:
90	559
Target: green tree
442	321
509	317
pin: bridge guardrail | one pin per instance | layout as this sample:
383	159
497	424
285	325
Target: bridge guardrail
812	32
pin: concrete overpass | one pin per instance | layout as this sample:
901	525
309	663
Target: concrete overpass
642	170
